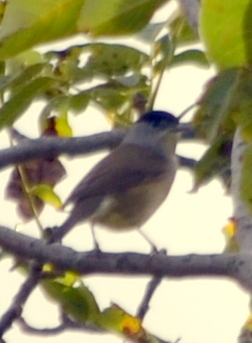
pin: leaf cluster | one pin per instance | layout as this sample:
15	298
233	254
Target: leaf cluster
119	78
122	81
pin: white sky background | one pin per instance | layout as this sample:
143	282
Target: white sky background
199	310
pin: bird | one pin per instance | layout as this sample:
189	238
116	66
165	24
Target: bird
126	187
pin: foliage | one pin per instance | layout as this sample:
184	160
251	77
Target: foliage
122	81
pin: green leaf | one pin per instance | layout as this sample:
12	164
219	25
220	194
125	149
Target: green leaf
215	105
214	163
164	49
109	98
13	109
226	103
21	78
116	17
112	96
226	28
77	302
103	60
241	104
23	60
79	102
182	32
26	75
115	319
2	68
113	59
246	179
193	56
28	22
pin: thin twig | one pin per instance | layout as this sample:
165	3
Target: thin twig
16	307
27	193
191	10
144	306
67	324
151	287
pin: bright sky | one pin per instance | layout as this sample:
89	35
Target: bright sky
199	310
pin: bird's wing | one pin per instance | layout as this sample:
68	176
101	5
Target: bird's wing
124	168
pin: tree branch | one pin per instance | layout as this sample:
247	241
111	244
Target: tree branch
151	287
236	266
50	147
16	307
240	212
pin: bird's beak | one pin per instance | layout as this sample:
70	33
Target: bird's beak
183	127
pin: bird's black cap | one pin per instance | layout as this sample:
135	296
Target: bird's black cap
159	119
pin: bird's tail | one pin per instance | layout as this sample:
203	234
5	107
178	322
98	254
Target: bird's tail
82	210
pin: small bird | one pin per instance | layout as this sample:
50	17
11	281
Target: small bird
126	187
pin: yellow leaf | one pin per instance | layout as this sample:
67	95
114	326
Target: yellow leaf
68	279
248	324
46	193
47	267
229	232
116	319
62	126
230	229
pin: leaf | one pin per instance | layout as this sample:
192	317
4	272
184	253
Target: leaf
182	32
20	79
56	125
116	97
25	76
214	114
78	302
109	98
113	59
248	324
227	30
115	319
62	126
2	9
241	104
27	58
69	278
215	162
164	49
34	173
192	56
46	194
246	180
13	109
229	232
28	22
79	102
226	103
116	17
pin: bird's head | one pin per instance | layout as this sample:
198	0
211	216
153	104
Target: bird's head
155	130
